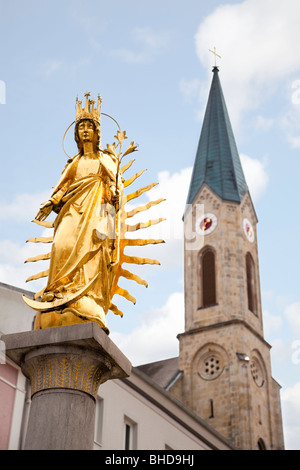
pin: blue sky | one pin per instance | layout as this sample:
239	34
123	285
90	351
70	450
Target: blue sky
151	64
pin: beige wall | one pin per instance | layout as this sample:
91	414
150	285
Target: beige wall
230	245
155	427
15	315
228	337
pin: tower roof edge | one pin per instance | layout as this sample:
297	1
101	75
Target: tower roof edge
217	160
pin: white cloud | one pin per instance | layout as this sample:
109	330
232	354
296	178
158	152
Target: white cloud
290	123
50	66
14	270
190	89
256	39
290	401
280	352
154	40
23	207
255	174
150	43
272	323
264	124
174	187
292	313
155	337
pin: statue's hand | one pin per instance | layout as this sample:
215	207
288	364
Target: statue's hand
44	211
115	197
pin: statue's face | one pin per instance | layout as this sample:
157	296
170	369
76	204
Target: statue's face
86	131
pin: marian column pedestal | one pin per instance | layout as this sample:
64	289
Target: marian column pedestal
65	366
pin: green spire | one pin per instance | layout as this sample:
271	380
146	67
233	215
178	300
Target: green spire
217	161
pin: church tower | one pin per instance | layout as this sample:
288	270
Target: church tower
224	357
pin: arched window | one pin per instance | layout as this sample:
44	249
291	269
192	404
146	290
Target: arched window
208	278
261	445
251	284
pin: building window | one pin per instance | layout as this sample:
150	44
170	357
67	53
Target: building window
130	434
251	284
261	445
257	372
211	405
208	278
211	365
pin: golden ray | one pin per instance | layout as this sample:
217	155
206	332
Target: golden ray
119	290
40	240
141	241
133	178
138	260
134	277
38	258
115	310
132	228
139	192
38	276
147	206
127	166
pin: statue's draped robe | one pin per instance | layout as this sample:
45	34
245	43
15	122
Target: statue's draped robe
83	245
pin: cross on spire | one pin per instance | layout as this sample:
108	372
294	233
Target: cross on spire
215	54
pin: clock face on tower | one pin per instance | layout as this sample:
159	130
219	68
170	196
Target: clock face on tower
248	230
206	224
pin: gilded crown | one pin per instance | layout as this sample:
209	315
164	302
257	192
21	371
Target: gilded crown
90	111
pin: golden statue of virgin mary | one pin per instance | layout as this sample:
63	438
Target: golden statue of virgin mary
89	230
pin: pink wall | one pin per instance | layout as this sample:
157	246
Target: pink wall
7	397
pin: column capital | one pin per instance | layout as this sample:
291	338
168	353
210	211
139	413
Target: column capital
78	357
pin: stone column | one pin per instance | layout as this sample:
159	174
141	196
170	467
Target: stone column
65	366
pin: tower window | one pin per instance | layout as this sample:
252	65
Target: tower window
211	366
211	402
251	284
208	278
261	445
